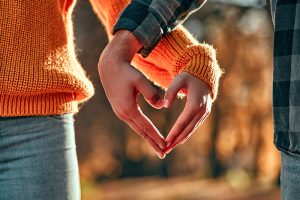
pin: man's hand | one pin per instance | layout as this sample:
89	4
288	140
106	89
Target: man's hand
123	83
197	108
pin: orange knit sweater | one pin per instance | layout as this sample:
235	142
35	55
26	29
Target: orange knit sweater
39	72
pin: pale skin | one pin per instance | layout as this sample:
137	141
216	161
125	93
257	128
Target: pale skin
122	84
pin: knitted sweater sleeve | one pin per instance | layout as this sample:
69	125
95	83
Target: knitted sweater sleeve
178	51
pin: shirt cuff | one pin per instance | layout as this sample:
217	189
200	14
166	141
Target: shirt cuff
137	19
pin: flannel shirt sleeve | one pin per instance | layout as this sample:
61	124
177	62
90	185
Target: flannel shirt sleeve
286	76
150	20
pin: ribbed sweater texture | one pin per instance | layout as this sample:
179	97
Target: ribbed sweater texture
39	72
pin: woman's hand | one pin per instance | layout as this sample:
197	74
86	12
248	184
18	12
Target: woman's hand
122	84
197	108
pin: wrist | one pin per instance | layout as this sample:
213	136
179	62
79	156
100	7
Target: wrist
125	45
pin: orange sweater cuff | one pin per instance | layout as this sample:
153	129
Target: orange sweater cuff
200	61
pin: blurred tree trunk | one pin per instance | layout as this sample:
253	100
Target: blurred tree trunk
217	169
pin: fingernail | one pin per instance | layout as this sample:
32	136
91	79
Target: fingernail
166	103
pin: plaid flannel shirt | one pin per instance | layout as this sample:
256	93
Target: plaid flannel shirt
150	20
286	83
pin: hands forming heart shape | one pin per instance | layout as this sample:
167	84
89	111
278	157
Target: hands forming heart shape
123	83
196	110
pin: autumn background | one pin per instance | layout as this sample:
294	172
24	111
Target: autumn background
231	156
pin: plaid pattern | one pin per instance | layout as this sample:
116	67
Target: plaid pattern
286	85
150	20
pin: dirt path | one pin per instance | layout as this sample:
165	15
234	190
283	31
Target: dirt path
177	189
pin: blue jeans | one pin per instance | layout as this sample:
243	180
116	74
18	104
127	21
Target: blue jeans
290	177
38	158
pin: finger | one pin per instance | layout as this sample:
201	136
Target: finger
172	91
183	120
188	131
202	119
192	107
184	134
149	92
146	137
148	128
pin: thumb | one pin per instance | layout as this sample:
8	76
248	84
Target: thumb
171	93
149	92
